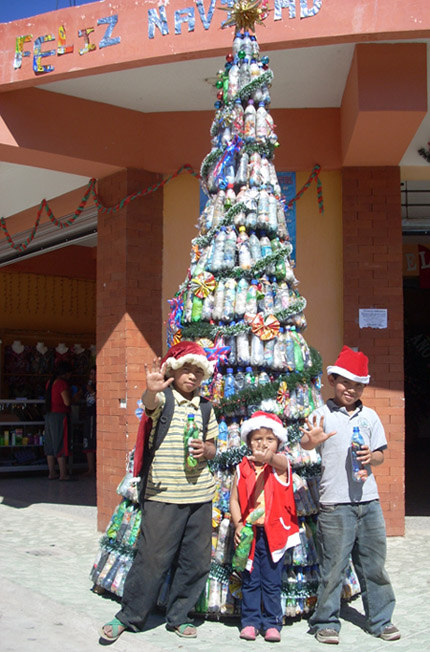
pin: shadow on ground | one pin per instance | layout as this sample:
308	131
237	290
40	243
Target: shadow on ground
21	492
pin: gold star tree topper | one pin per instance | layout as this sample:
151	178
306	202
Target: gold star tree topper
245	13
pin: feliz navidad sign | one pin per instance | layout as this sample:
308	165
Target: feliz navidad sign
107	32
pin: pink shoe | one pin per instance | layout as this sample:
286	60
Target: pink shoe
272	635
248	633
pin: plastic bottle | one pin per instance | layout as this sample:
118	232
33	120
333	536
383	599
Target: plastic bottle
239	380
261	123
247	45
237	43
229	383
222	542
243	353
241	295
263	209
233	81
234	434
218	213
230	195
188	307
205	220
276	246
218	255
254	69
242	171
219	300
268	298
249	377
282	299
249	122
257	351
265	172
263	378
254	247
245	260
229	259
190	432
357	442
239	219
272	215
196	309
229	299
266	248
254	169
244	73
251	220
222	436
289	351
279	354
231	342
225	136
269	357
251	298
255	50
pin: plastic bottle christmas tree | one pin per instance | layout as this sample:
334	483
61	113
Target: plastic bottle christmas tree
240	301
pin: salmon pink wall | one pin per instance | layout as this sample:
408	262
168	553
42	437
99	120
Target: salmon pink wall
130	44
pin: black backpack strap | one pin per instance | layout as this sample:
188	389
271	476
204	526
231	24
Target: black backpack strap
205	409
160	432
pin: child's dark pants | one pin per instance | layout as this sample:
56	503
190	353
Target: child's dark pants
169	532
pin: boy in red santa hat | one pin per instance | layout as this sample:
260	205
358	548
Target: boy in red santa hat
350	520
263	479
176	500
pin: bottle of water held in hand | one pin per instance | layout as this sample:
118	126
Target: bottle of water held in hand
357	442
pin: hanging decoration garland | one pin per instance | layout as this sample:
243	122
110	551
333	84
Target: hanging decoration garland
101	208
90	190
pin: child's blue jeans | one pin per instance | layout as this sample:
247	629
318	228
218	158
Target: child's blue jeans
262	586
357	529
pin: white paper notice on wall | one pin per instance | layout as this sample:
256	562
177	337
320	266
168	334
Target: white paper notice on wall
372	317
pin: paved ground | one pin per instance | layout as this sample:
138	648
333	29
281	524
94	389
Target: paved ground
48	542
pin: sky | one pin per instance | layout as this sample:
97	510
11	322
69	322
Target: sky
16	9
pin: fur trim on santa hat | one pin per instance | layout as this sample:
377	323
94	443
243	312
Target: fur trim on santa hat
186	353
353	365
263	420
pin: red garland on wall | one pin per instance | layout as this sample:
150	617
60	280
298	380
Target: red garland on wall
314	176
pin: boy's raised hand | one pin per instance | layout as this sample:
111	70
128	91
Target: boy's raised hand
155	381
314	434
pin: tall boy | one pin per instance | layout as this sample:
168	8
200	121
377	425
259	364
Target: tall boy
176	501
350	519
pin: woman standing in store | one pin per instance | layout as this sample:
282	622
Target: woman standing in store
57	402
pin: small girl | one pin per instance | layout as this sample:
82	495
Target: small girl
263	479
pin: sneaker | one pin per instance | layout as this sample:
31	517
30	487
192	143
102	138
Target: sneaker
272	635
248	633
330	636
390	633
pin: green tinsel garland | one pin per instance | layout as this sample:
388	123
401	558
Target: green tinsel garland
205	240
228	460
219	572
210	159
201	329
254	395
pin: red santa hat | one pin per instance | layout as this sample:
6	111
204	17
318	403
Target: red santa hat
353	365
186	353
263	420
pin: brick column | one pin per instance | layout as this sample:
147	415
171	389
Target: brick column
129	324
372	249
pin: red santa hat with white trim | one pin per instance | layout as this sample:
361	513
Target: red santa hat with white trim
353	365
186	353
263	420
